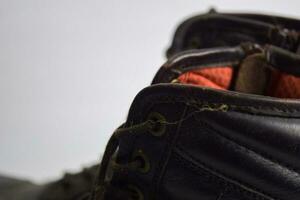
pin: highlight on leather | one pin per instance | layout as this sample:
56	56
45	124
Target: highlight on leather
281	85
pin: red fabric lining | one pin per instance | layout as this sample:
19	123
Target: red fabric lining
282	85
217	77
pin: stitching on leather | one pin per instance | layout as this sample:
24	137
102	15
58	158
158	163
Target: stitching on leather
148	104
159	166
147	109
282	163
171	141
218	180
263	154
251	109
192	65
229	177
155	178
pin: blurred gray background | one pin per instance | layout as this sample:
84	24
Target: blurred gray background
69	70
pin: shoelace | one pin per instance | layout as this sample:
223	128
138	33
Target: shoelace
104	188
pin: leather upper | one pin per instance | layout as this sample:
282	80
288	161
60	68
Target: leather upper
231	29
276	58
217	144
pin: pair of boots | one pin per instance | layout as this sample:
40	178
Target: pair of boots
220	121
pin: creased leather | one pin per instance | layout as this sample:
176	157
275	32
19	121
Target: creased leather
217	29
250	150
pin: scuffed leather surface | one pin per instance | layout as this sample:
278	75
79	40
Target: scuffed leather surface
274	57
248	151
216	30
289	23
195	59
283	60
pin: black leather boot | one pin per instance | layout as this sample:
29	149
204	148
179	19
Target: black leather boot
230	29
192	141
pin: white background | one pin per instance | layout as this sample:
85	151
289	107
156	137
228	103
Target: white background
69	70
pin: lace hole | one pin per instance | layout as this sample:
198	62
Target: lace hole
159	125
135	193
143	159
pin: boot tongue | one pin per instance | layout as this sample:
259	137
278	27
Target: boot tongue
253	76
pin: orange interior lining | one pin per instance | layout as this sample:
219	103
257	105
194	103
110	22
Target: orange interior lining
216	77
282	85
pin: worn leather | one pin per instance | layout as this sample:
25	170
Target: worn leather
275	57
231	29
217	145
283	60
196	59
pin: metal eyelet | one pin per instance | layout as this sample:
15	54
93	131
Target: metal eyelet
159	125
135	193
141	157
